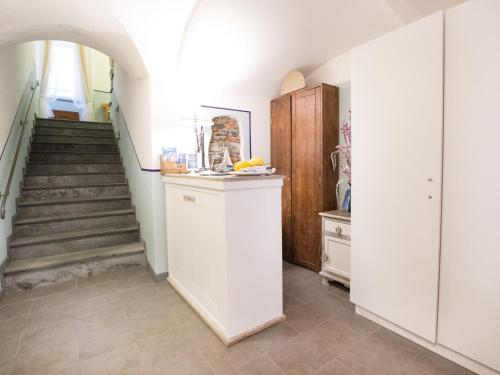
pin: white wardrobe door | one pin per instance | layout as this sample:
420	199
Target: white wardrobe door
469	299
397	107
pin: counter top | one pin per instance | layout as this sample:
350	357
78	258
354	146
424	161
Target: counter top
337	214
228	178
224	183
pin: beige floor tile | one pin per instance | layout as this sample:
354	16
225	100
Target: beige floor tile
99	320
12	326
121	361
303	318
73	296
168	345
185	315
55	333
25	295
15	310
112	336
272	337
381	353
411	369
437	365
8	367
260	366
9	346
303	354
339	336
56	359
189	364
133	279
150	322
335	367
98	304
223	359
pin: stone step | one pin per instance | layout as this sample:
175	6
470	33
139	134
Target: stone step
43	271
81	179
77	157
74	124
69	242
70	167
72	222
74	139
61	147
41	193
71	130
69	206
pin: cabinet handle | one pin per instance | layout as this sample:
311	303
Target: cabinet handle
325	258
338	230
189	198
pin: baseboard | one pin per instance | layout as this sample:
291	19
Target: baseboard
3	266
156	276
434	347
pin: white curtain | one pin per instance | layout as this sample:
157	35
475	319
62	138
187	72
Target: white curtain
66	76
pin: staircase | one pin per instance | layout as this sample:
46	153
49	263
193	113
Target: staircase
75	215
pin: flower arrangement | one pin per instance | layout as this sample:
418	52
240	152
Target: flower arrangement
343	151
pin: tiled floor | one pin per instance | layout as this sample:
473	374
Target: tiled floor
125	323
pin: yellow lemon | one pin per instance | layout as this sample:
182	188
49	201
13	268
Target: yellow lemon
256	161
241	165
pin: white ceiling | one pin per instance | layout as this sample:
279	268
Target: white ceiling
249	45
245	46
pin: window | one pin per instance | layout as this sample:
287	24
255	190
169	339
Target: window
64	64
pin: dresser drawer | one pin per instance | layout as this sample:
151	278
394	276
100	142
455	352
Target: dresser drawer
338	228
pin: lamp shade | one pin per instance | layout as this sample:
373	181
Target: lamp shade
194	117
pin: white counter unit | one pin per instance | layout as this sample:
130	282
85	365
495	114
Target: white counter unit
224	250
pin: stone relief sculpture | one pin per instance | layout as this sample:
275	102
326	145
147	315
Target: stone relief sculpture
225	134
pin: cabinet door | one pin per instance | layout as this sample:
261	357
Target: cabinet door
281	149
397	110
338	256
306	158
469	298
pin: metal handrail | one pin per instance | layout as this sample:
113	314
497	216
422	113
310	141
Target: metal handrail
13	168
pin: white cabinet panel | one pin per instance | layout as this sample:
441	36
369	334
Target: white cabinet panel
469	299
397	108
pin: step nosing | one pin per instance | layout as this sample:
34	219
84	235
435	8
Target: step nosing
70	236
70	217
111	184
72	163
72	174
72	135
75	152
76	257
71	201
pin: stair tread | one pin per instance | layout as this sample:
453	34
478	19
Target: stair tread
76	152
33	264
55	237
108	128
71	174
72	200
74	135
73	186
70	162
41	119
85	215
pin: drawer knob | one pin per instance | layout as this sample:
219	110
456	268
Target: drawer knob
338	230
189	198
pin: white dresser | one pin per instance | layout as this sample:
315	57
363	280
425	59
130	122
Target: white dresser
336	247
224	250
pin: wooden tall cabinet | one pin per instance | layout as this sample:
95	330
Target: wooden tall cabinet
304	132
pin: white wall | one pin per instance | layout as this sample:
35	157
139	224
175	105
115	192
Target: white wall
337	72
17	73
100	66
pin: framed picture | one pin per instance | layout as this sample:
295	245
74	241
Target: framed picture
230	132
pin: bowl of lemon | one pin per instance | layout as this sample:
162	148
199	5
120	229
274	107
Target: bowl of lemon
253	167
